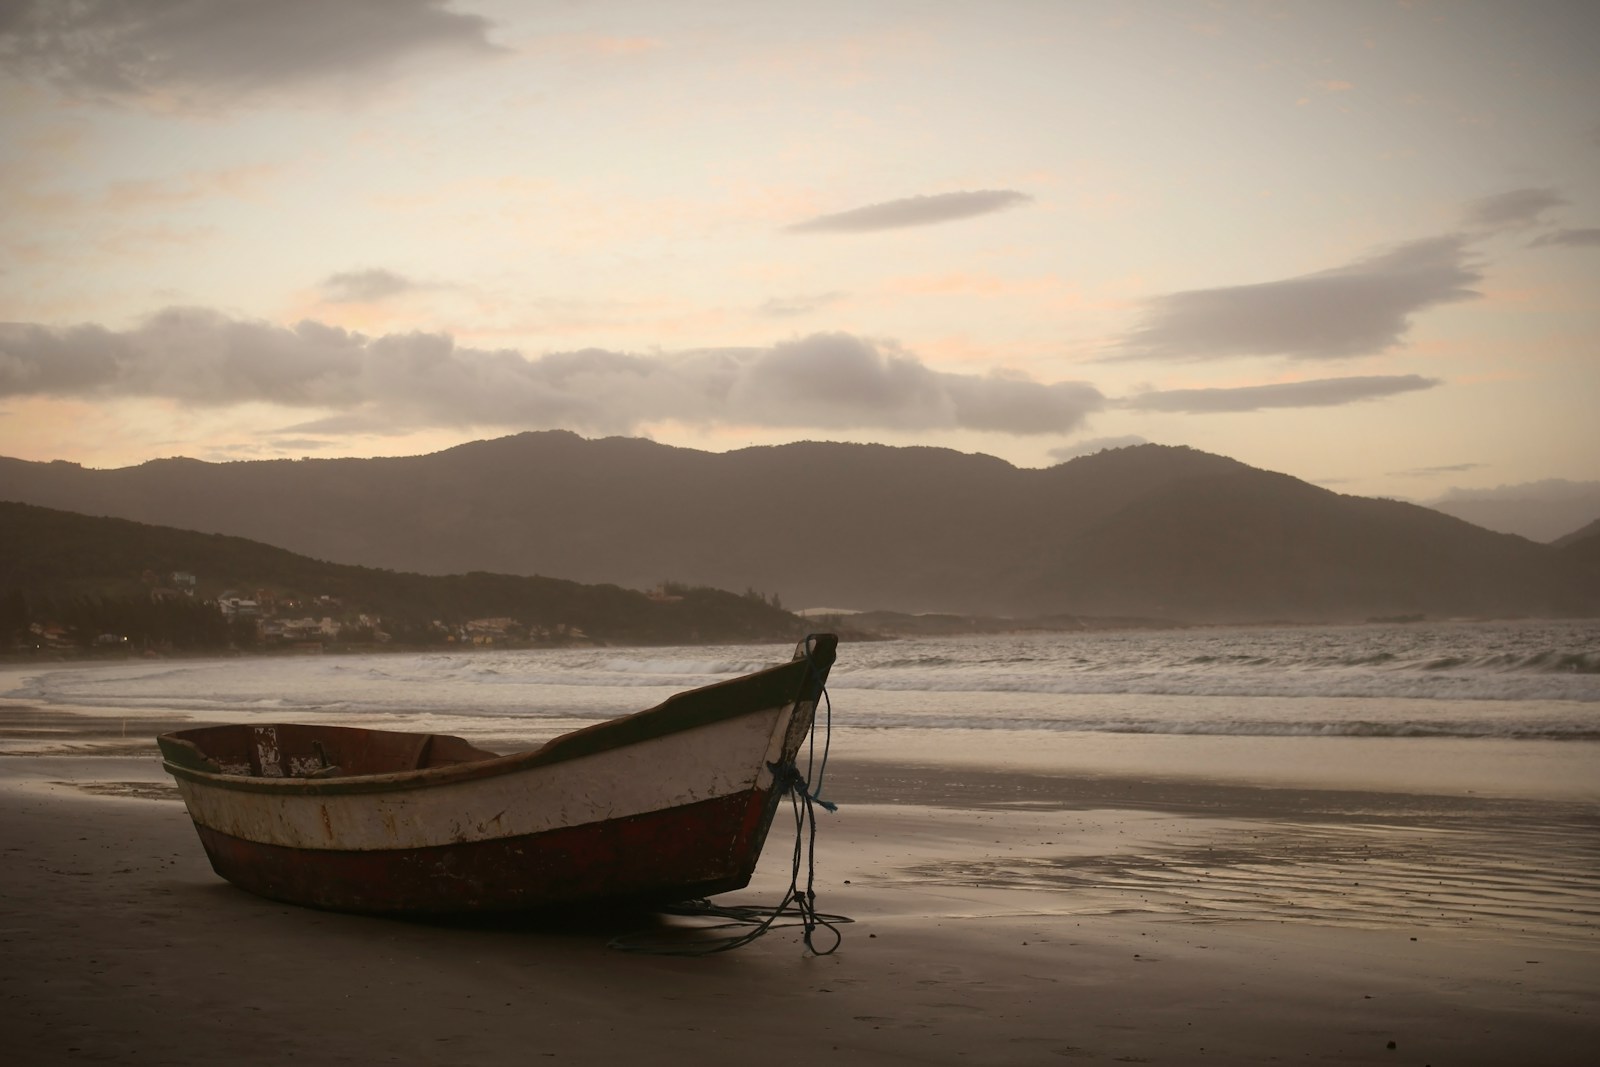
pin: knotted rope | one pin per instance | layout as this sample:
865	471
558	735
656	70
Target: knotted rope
797	902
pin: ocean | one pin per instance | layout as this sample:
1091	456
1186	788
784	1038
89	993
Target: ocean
1499	708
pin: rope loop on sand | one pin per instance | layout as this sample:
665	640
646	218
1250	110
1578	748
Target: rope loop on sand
787	779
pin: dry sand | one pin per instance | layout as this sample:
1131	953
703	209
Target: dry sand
1000	918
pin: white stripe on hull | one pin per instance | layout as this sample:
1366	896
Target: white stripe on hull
717	759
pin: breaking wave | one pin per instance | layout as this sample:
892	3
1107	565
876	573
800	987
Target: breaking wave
1489	661
1499	729
1513	680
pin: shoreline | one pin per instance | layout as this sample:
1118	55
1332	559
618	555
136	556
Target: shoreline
920	626
1001	917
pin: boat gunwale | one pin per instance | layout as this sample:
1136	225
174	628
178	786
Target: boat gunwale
775	687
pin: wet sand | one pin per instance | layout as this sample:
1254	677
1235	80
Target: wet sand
1001	917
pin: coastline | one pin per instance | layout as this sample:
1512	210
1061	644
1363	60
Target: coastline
1000	917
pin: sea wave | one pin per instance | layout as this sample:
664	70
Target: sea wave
1107	680
1501	661
666	667
1504	680
1499	730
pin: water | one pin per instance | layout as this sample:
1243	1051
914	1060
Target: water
1504	705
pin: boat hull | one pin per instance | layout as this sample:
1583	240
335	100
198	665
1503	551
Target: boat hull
659	857
669	804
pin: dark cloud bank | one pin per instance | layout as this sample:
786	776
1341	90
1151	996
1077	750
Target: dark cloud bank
400	381
222	51
408	381
914	211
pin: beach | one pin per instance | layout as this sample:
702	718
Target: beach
1002	915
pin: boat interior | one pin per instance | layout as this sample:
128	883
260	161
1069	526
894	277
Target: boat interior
291	750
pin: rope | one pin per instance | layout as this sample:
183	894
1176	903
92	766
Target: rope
800	903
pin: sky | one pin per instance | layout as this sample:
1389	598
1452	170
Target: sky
1357	242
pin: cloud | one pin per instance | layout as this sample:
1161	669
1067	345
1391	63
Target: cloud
190	355
1519	207
365	286
201	358
1430	472
163	53
1363	307
305	444
1321	393
1547	489
914	211
338	425
786	307
1587	237
1095	444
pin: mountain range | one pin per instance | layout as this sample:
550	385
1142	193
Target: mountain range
1150	530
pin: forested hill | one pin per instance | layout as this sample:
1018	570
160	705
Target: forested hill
95	575
1149	531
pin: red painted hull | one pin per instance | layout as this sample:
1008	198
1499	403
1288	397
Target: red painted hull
665	856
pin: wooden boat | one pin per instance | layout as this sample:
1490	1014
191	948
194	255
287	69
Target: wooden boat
664	805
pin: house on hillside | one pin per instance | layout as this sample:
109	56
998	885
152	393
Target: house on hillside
235	606
297	630
492	631
51	635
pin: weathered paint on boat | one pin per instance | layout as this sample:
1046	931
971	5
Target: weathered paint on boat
668	804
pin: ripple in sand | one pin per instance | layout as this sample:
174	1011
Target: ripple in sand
1537	880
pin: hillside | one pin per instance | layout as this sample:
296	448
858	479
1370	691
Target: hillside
63	563
1544	511
1581	552
1589	532
1145	531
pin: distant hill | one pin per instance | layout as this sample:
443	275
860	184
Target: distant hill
1148	531
1580	551
1589	532
1540	511
57	558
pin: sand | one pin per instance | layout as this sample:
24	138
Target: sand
1000	918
